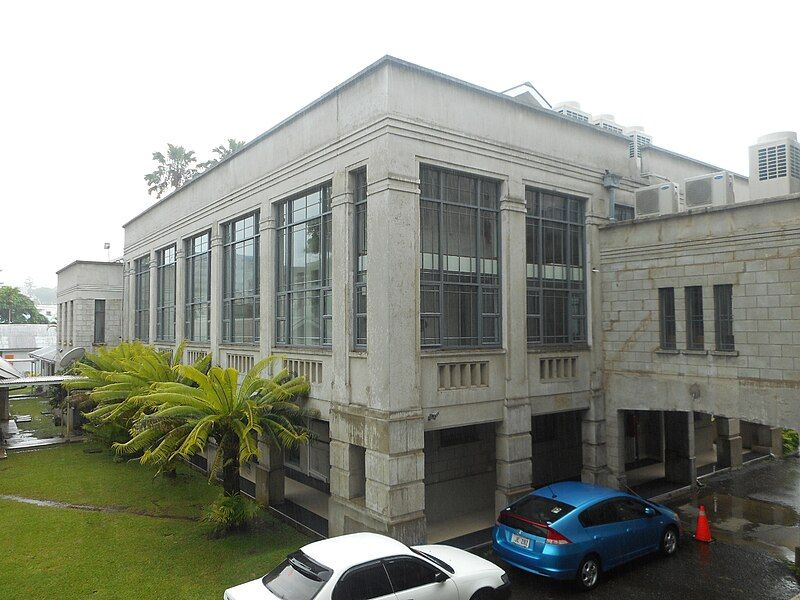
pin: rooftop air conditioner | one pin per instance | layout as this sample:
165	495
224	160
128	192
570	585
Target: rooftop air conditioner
661	199
775	166
713	189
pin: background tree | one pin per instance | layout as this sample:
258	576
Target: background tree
173	170
223	152
16	307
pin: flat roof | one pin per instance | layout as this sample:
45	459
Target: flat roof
388	59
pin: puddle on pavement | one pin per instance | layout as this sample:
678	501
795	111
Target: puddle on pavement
738	520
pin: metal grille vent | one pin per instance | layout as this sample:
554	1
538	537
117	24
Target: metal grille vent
772	162
699	192
795	162
647	202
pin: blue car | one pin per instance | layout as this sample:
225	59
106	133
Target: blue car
576	531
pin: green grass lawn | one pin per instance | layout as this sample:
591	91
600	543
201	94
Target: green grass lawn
41	425
70	554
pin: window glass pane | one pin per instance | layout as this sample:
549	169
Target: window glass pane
695	339
363	584
240	280
407	574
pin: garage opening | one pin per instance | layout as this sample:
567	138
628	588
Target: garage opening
459	480
557	449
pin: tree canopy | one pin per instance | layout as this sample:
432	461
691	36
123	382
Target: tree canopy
223	152
16	307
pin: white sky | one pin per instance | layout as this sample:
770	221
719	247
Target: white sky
89	90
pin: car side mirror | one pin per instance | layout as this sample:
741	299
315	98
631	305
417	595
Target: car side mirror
649	512
440	577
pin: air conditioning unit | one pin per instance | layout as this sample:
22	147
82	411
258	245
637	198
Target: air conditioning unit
775	166
713	189
661	199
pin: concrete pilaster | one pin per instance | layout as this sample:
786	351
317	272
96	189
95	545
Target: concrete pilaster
5	405
216	292
269	476
151	335
593	432
130	311
729	443
266	276
342	283
615	449
770	439
513	449
679	454
180	295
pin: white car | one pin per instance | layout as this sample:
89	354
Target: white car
368	566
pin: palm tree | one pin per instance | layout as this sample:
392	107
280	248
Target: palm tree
173	170
223	152
184	418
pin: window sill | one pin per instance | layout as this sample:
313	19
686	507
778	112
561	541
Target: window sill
242	346
460	351
724	353
559	348
670	351
695	352
310	350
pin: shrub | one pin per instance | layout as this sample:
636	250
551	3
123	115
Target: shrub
230	513
790	441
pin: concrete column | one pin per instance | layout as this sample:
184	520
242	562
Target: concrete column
615	449
593	431
342	283
180	294
153	298
266	276
123	329
679	463
216	292
513	446
348	470
269	476
729	443
5	405
770	439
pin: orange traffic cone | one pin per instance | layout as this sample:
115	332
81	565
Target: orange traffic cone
703	532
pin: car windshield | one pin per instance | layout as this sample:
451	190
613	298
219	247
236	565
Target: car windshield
296	578
435	560
541	509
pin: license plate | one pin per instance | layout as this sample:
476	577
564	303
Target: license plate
522	541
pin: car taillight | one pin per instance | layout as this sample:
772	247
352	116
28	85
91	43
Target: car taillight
553	537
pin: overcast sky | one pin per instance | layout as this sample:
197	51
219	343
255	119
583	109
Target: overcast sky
89	90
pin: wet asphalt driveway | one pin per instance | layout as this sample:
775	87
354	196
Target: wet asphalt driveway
754	520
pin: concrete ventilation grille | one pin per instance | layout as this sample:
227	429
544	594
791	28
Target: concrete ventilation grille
310	369
698	192
574	115
241	362
457	376
558	367
647	202
192	356
772	162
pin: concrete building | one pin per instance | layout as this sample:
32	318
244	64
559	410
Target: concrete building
89	299
439	260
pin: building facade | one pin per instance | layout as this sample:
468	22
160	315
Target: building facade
429	254
89	305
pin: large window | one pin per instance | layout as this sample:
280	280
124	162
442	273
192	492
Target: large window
360	276
555	268
695	339
666	317
303	275
240	295
197	326
165	294
141	321
460	260
99	321
623	212
723	317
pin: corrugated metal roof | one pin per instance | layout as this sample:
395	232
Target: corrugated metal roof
26	336
49	353
7	370
42	380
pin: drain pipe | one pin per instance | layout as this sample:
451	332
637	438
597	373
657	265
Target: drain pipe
611	183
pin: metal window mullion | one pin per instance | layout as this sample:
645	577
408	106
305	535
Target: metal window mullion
479	278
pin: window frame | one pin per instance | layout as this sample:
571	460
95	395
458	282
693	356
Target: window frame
571	289
191	257
356	569
624	210
285	291
360	208
229	297
666	319
166	306
723	318
439	285
141	307
101	338
695	327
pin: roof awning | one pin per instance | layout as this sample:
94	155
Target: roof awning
43	380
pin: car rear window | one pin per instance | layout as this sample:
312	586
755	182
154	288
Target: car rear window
298	577
541	509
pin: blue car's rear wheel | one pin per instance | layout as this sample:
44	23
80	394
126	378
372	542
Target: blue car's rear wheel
589	573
